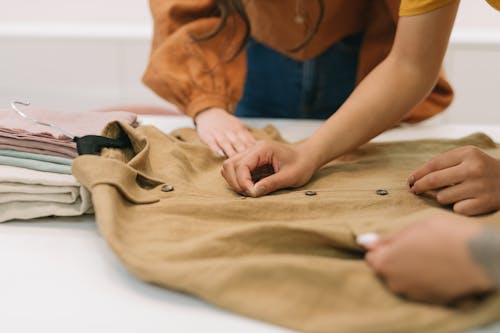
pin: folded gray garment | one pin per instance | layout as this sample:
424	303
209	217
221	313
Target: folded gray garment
36	157
35	161
28	194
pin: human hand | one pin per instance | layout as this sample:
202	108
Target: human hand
291	165
222	132
465	177
429	261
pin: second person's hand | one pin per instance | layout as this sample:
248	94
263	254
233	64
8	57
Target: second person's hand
225	134
292	166
466	178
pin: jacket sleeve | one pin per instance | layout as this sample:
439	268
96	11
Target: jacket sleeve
195	75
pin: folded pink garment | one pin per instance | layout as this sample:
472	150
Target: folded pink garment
77	123
17	133
32	145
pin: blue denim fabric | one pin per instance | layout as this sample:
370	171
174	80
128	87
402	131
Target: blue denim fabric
280	87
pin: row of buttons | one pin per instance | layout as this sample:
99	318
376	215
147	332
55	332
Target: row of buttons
382	192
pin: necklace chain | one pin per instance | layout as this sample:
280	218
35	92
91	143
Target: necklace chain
299	18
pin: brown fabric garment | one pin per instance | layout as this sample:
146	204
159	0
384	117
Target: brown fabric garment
198	75
286	258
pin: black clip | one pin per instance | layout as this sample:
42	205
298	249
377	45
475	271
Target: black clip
93	144
85	145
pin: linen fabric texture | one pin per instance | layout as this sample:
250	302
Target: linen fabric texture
286	258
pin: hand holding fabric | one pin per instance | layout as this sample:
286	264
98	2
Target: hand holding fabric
291	165
465	177
430	261
222	132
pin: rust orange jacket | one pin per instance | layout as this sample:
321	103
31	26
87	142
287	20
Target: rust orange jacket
196	75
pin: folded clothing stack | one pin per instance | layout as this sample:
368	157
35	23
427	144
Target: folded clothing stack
35	162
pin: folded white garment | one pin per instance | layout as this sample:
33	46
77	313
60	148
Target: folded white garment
28	194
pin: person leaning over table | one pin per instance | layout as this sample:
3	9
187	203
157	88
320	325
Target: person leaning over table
395	86
221	59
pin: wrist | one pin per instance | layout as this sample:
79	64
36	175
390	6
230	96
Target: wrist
311	154
207	112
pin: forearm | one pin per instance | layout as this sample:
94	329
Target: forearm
391	90
378	103
485	250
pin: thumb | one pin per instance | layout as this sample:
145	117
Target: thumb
269	184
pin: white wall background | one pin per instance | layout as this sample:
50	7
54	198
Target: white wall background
75	11
85	54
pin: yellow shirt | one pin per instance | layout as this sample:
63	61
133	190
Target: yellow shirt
416	7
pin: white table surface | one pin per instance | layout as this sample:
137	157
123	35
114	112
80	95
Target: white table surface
58	274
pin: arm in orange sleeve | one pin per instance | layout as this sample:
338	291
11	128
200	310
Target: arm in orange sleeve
195	75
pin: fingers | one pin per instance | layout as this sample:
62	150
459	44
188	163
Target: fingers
467	198
240	141
226	145
244	179
237	170
270	184
472	207
214	146
456	193
443	161
439	179
233	143
224	133
376	260
228	171
246	138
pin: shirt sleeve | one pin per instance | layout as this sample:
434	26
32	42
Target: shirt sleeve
417	7
195	75
494	3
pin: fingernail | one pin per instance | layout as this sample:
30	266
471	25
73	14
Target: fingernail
367	239
220	153
411	181
258	191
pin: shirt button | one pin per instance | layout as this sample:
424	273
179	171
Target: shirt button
382	192
311	193
167	188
